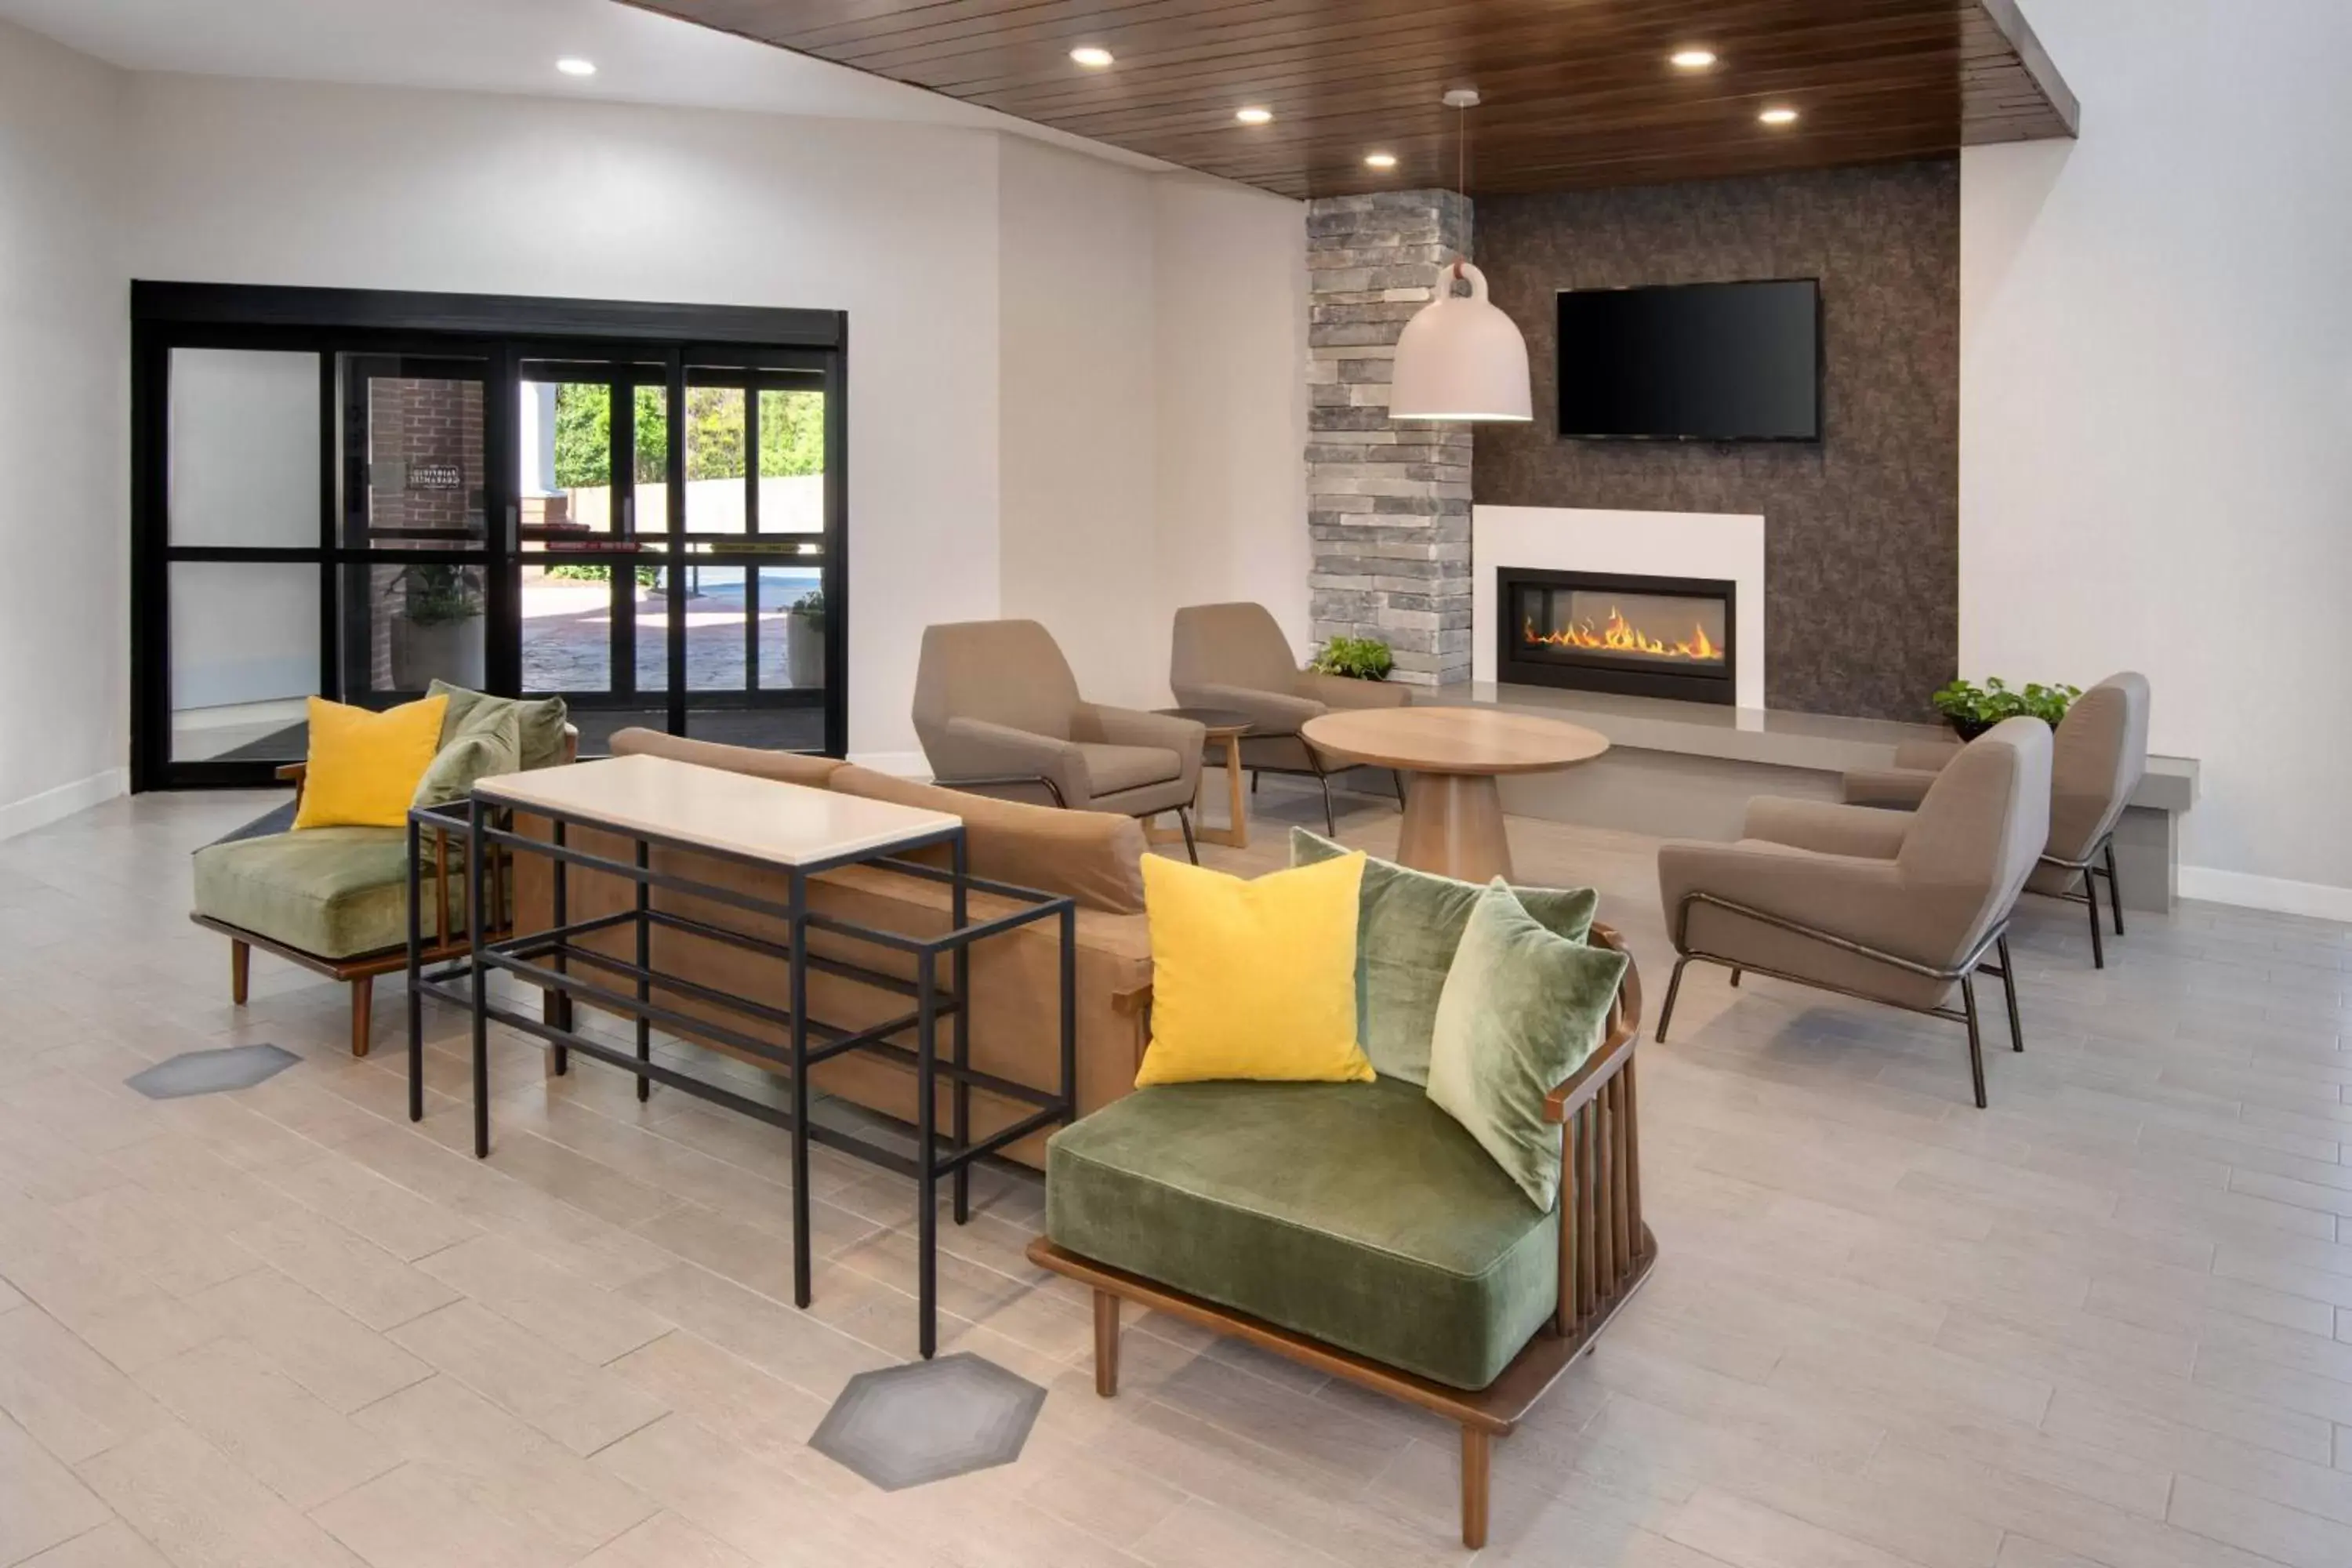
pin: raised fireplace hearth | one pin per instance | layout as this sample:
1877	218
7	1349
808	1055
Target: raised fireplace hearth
1630	633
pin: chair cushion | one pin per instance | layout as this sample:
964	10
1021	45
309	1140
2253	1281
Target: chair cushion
1358	1214
538	722
490	744
1522	1009
1409	925
1112	769
336	892
1253	979
364	767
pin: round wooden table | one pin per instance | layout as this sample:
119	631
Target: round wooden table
1453	809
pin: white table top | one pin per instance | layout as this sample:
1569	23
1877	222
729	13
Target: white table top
787	824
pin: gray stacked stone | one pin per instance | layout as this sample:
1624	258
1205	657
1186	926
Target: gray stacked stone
1388	505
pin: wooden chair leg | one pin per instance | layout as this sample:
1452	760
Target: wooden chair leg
1106	1343
1477	1450
362	1012
240	970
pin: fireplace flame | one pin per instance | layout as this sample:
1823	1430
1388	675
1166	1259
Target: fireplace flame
1620	636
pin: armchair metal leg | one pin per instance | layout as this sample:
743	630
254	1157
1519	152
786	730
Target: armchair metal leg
2009	991
1976	1043
1674	989
1735	979
1254	777
2115	889
240	970
2090	897
1185	820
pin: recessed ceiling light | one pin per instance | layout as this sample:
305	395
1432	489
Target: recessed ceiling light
573	65
1093	56
1779	115
1254	115
1380	160
1691	60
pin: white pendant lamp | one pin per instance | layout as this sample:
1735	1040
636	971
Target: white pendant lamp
1460	359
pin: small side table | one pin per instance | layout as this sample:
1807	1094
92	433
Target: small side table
1225	725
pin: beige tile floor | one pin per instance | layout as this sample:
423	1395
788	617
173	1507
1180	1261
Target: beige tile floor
2107	1321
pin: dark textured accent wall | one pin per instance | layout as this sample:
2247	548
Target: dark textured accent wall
1861	531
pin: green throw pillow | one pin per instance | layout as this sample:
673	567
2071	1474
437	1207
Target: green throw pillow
489	745
1407	924
1521	1010
538	722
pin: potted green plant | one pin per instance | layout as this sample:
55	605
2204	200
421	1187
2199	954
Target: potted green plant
804	639
435	630
1356	659
1971	709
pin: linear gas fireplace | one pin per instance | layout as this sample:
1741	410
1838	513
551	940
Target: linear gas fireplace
1647	637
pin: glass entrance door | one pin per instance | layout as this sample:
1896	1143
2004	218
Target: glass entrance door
591	450
670	573
414	595
755	549
343	496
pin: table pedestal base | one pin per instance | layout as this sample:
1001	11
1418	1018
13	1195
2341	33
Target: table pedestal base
1453	826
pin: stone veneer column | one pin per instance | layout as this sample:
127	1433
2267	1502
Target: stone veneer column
1388	505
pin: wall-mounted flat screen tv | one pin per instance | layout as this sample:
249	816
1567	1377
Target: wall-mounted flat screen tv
1698	361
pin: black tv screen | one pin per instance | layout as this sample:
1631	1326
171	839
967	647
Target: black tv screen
1700	362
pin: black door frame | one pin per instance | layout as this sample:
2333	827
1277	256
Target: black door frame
498	329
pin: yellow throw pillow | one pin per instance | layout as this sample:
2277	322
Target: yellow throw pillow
1253	980
365	766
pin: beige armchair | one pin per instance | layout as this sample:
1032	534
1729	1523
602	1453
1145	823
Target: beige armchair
1235	657
2096	760
1897	907
998	712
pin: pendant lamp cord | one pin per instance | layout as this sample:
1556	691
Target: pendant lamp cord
1461	168
1461	172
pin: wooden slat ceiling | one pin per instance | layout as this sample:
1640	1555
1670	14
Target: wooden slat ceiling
1577	92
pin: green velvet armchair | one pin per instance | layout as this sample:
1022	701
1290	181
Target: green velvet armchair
1358	1229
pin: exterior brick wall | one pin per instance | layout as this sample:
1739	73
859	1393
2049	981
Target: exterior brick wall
415	426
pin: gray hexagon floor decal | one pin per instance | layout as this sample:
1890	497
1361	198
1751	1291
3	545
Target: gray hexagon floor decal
210	1072
906	1425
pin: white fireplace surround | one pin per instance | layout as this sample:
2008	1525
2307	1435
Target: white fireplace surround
1658	543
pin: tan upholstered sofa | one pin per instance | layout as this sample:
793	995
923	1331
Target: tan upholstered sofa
1093	856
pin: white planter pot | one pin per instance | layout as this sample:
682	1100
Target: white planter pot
451	650
804	650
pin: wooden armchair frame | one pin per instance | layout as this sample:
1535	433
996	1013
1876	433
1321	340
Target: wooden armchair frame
1605	1252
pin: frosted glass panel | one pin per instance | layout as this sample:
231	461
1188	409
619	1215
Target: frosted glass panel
244	448
245	655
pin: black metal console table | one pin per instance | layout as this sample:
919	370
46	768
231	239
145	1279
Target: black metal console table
659	804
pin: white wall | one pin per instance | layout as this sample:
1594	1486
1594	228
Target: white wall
1077	405
1154	409
1077	388
64	421
253	182
1231	312
2156	430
